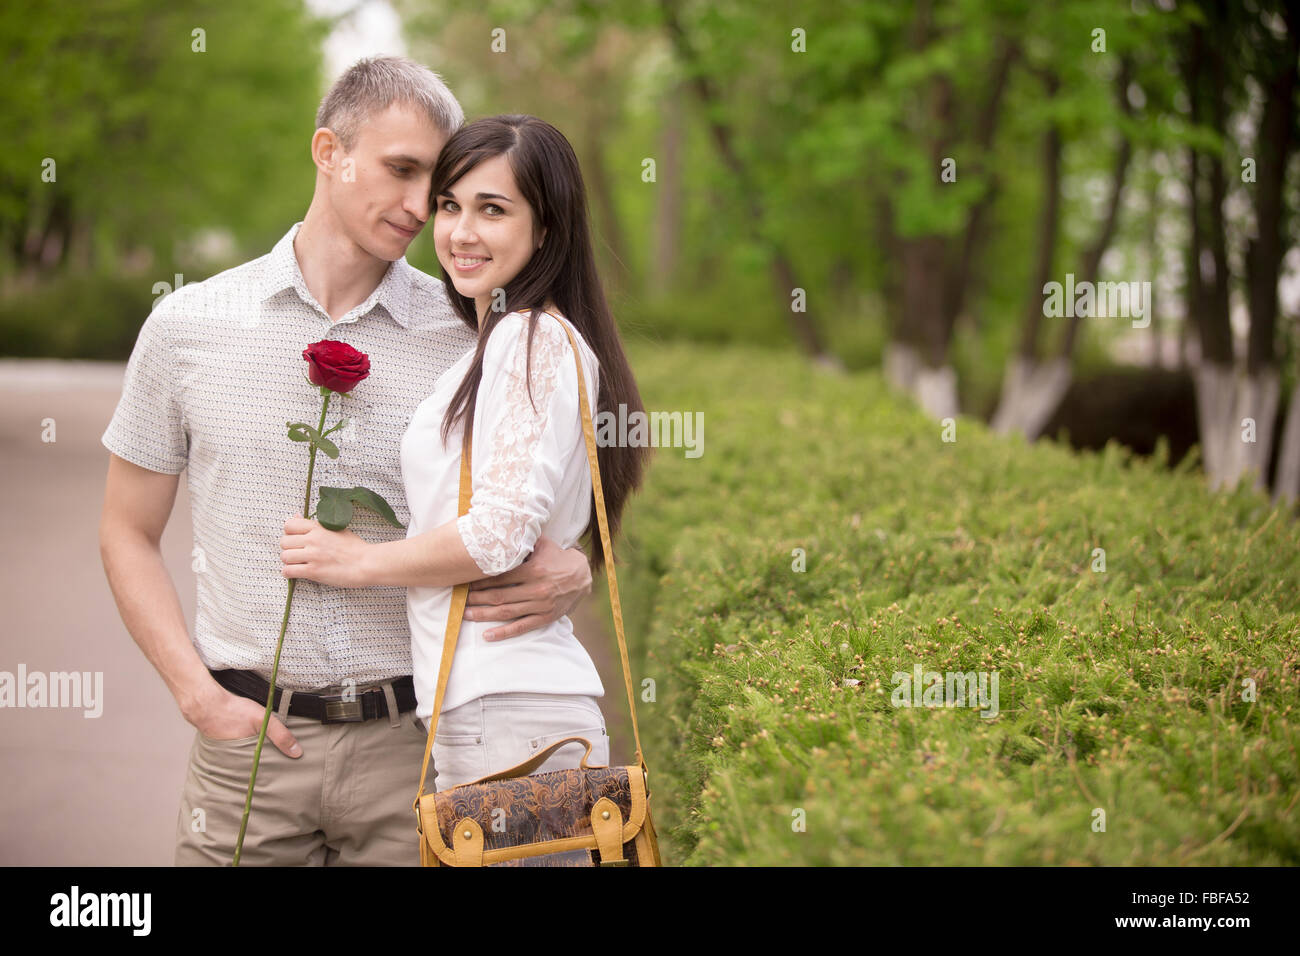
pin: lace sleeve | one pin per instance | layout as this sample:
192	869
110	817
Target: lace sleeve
521	443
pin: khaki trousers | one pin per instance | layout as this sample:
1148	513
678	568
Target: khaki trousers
345	802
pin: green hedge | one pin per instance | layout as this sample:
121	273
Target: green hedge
78	317
1119	690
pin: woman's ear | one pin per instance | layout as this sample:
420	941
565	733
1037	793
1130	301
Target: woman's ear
541	239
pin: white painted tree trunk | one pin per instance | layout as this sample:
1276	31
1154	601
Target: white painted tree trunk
1257	398
901	366
1226	406
934	389
1287	487
1031	393
1215	408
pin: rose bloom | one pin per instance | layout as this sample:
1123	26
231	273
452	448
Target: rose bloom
335	365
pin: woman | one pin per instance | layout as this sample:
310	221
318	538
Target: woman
510	230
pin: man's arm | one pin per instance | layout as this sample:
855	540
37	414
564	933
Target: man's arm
548	585
137	504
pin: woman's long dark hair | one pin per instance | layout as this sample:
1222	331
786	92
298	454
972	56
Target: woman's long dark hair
562	271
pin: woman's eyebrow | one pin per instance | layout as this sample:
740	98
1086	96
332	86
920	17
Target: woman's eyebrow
451	195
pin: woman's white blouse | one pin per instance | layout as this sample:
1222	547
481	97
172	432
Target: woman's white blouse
530	478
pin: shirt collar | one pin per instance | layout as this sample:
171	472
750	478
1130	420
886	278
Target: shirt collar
393	291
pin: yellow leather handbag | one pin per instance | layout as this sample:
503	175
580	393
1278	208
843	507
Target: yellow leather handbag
588	816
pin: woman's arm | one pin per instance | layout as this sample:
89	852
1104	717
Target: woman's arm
437	558
537	592
527	433
344	559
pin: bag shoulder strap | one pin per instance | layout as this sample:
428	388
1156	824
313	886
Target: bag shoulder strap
456	612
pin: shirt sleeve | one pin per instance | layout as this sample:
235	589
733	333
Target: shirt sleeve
526	441
148	429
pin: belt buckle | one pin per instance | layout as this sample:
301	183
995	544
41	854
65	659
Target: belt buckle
340	711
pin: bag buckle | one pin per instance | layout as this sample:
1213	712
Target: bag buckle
340	711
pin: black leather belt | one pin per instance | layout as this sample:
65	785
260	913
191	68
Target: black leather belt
368	704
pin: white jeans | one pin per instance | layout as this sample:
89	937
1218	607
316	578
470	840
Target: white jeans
497	731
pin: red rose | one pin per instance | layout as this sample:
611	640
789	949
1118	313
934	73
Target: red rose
335	365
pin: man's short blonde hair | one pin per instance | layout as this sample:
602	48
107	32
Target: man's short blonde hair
371	85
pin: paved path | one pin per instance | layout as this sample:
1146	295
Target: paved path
103	791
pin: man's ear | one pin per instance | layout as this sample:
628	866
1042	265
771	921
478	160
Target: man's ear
326	150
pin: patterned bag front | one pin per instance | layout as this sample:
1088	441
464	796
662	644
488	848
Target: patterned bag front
586	816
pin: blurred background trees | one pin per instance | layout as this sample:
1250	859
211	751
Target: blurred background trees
141	140
872	184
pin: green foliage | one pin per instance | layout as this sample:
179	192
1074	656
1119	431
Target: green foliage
88	316
833	110
1120	690
152	137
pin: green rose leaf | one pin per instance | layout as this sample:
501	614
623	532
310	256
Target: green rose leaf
368	499
301	431
335	508
335	513
327	446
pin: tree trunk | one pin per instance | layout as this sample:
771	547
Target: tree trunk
1286	489
1287	484
1091	268
1031	390
1257	393
1154	269
902	365
1256	400
937	270
959	275
1264	256
1216	406
936	391
926	259
1207	301
802	324
891	288
935	382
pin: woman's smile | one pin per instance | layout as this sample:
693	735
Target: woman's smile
466	265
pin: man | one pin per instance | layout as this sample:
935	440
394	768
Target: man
214	377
